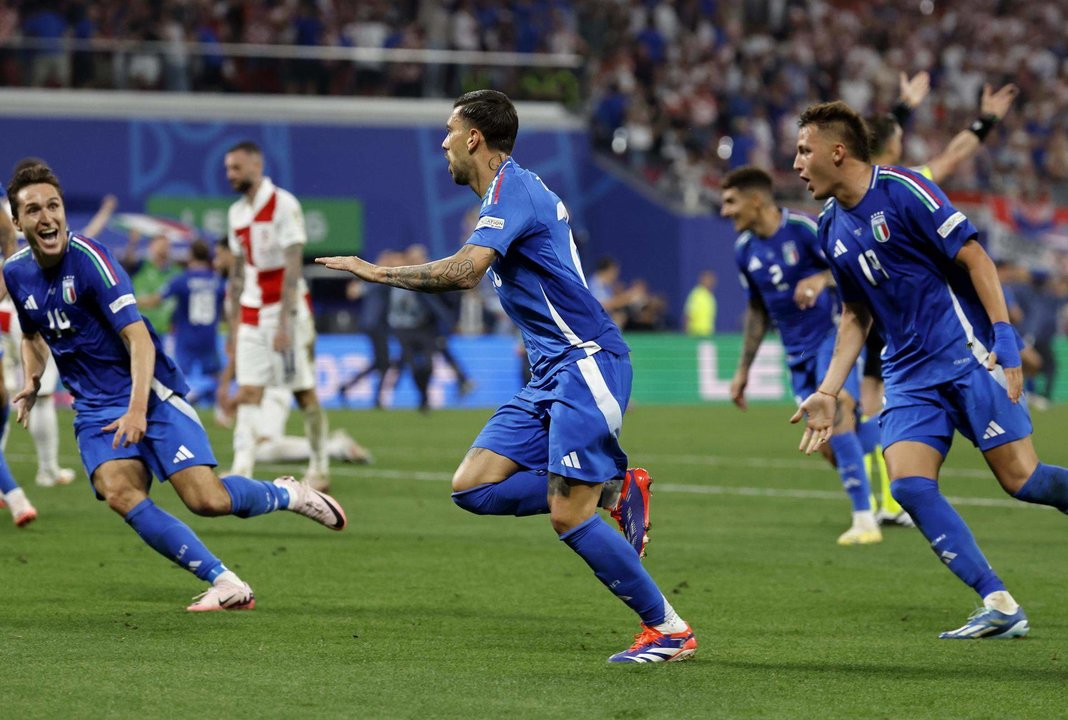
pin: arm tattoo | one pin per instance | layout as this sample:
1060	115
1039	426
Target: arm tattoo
755	327
452	273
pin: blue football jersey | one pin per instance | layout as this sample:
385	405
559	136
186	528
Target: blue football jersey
770	269
538	275
198	305
895	252
78	307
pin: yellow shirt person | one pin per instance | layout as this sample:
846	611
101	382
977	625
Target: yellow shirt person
700	308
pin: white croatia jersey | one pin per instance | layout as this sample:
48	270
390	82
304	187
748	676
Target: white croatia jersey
260	232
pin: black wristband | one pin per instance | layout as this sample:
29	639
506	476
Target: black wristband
901	112
983	125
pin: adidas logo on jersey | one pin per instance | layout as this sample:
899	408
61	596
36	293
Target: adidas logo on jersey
30	303
840	248
571	460
754	265
993	430
183	454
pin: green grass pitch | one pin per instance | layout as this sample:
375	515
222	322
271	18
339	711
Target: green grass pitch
420	610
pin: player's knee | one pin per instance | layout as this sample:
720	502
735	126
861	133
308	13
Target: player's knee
121	498
564	518
911	491
464	479
208	501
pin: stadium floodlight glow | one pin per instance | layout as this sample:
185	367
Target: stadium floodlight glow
725	148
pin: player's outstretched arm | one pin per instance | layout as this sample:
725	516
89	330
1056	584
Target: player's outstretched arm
131	427
461	271
966	143
820	406
103	214
34	353
754	328
1006	351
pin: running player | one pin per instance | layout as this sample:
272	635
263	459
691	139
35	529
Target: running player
905	257
886	132
567	420
786	275
131	419
275	335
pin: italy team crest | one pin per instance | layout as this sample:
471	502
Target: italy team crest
879	227
69	295
789	253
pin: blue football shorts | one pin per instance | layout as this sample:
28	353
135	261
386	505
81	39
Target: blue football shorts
806	375
976	404
175	439
570	423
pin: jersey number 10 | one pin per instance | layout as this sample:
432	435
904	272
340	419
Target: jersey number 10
872	268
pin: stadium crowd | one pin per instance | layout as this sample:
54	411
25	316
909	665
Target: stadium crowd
684	90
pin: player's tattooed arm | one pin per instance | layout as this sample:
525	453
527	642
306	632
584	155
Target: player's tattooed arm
754	328
460	271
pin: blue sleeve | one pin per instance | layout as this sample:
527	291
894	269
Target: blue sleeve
810	243
743	274
173	287
507	220
932	216
112	290
29	327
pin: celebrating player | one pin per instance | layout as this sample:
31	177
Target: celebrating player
131	419
275	335
905	257
784	270
567	420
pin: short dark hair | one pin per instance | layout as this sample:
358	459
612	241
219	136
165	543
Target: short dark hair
880	129
493	114
746	178
200	251
605	262
30	175
28	161
246	146
844	122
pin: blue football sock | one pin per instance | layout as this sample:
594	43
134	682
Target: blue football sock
615	564
949	536
249	498
1048	485
525	493
174	540
850	459
7	480
869	434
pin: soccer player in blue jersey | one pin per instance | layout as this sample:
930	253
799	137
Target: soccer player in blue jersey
907	259
787	278
131	419
198	292
566	422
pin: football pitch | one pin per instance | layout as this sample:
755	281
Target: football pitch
421	610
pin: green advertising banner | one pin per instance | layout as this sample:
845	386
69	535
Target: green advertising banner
334	225
676	369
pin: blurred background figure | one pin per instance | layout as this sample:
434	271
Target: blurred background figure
699	313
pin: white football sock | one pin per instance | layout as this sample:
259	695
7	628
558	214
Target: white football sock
285	449
316	428
245	440
1001	600
672	622
44	429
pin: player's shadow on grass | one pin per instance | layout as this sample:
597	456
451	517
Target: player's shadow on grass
999	674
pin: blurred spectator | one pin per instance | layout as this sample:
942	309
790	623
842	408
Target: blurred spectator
700	309
643	310
149	274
